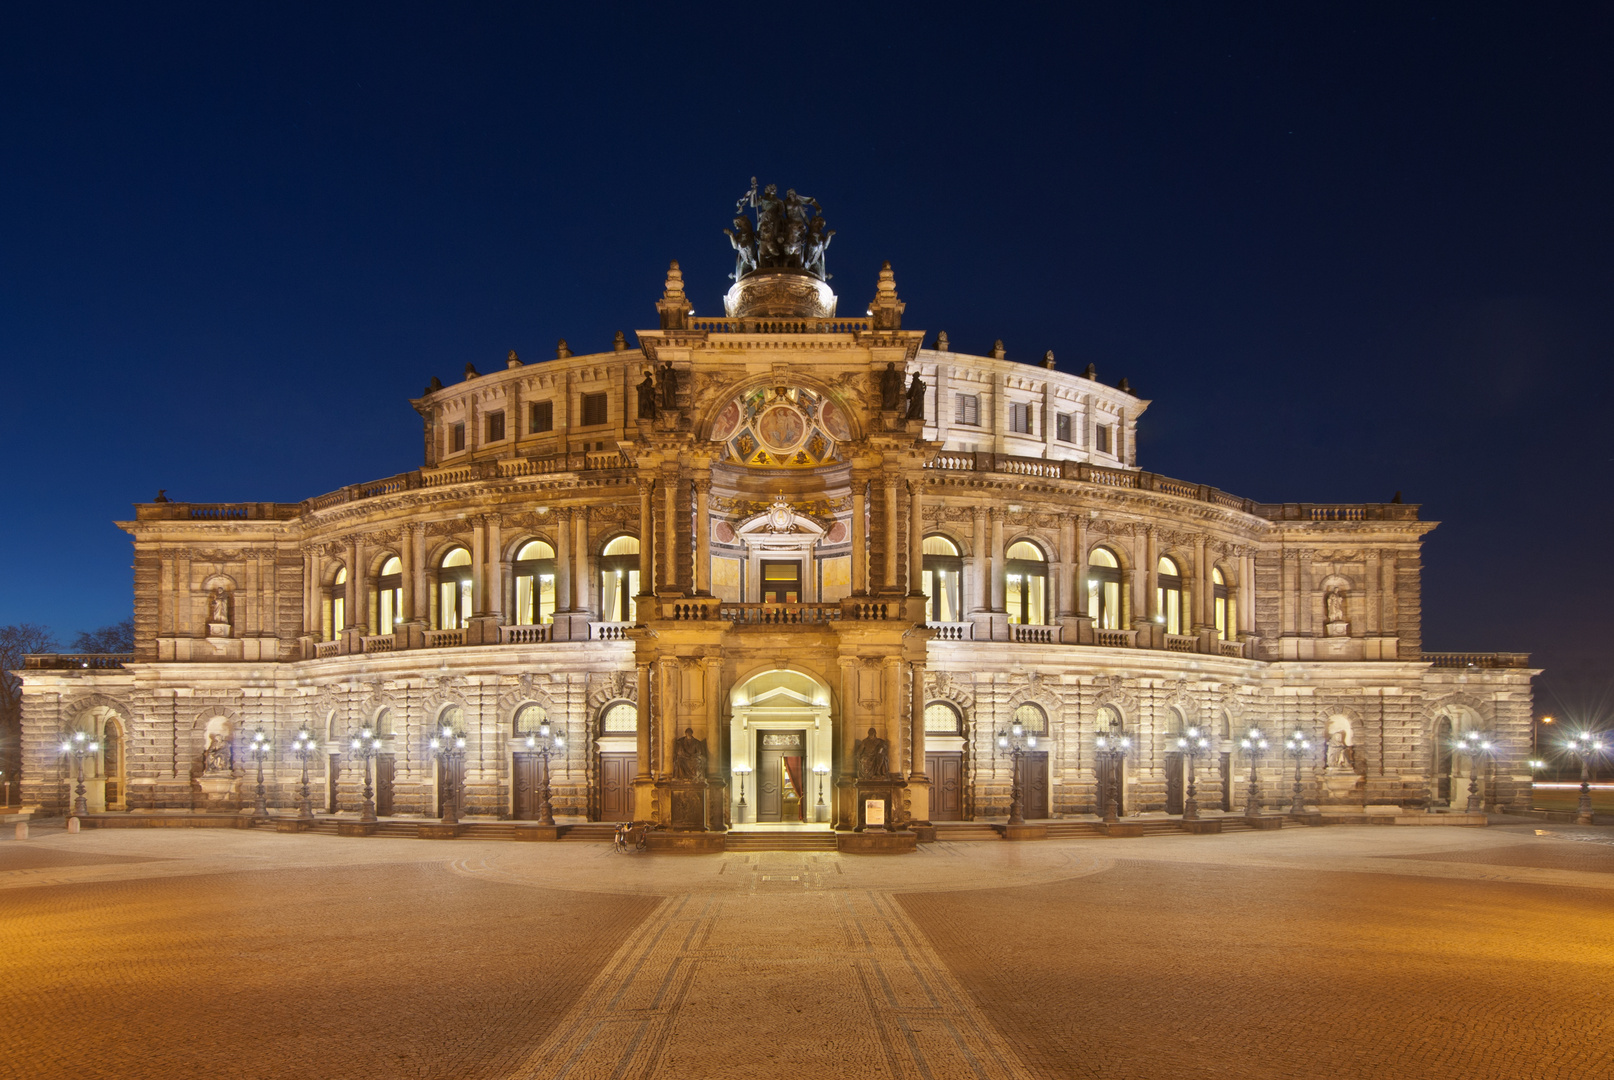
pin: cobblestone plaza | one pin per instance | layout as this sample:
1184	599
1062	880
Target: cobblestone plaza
1339	952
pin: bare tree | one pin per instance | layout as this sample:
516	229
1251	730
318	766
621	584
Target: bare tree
16	641
117	638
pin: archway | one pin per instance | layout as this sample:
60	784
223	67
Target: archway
781	741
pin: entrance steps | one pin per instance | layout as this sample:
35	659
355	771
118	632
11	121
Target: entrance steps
599	832
782	840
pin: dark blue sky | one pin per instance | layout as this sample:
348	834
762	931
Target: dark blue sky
1347	250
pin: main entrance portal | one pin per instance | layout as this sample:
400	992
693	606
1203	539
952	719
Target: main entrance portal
780	755
780	729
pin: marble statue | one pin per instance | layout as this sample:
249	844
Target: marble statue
1334	605
220	607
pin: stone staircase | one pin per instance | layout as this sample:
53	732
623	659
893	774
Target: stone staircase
781	840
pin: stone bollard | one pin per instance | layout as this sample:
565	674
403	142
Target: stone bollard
72	824
22	830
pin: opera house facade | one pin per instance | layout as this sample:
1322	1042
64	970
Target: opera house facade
780	566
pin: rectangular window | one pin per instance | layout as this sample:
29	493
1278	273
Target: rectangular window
593	409
1101	439
456	436
543	417
1020	418
1062	427
496	426
969	410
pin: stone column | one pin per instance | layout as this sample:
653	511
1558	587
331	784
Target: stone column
860	538
495	567
982	600
643	784
479	596
1246	611
1065	597
890	581
703	537
647	528
916	538
1204	588
918	778
311	594
893	712
1370	607
352	597
669	559
563	560
406	581
421	611
1080	604
1303	624
997	569
580	554
1151	595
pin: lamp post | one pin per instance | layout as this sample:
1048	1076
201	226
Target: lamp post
1113	748
1585	745
449	746
78	745
543	742
821	811
259	749
1298	747
742	813
1017	742
1475	744
1194	744
366	744
305	747
1254	744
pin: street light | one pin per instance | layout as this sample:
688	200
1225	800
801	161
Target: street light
1475	744
1254	744
742	812
366	744
1585	745
1113	748
259	748
1017	742
1193	743
1298	747
542	742
821	811
78	745
305	747
449	746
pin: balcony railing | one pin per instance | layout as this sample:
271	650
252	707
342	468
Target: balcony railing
322	649
1181	643
1477	660
523	635
1034	635
952	631
718	325
379	643
609	631
1115	639
444	639
779	614
75	661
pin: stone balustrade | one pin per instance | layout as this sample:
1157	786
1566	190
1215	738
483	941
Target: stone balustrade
444	639
952	631
76	661
1476	660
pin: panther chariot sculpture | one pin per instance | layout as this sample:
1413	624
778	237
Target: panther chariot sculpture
779	257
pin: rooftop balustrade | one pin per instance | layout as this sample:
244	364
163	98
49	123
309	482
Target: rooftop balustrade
1466	660
76	661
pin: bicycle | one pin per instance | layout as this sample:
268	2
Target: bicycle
629	836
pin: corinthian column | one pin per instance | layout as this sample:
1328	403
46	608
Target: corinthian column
703	537
916	538
890	484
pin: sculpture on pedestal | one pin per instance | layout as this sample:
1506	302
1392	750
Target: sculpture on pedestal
785	237
873	757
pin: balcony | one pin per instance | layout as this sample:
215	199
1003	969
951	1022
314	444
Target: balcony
1467	661
76	661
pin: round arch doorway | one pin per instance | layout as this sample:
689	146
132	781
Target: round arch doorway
781	740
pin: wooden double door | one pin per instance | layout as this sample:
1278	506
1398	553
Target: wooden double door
1034	784
616	786
386	771
1175	765
781	776
527	777
946	772
1110	783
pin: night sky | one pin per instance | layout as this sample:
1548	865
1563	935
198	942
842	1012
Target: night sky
1345	250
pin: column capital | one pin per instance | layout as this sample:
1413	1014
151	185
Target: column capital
702	485
916	486
645	486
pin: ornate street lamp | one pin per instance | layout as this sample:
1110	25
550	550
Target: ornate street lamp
1254	744
821	811
1586	746
1113	747
1017	742
1196	745
449	746
366	744
78	745
1477	745
305	747
542	742
742	812
259	748
1298	747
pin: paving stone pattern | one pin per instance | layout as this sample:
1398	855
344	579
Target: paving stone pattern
1340	952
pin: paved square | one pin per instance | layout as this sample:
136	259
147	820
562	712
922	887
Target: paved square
1338	952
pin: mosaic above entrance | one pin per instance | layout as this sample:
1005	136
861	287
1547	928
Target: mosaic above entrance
781	427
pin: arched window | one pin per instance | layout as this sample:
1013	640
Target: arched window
1104	589
620	718
1026	582
1168	596
454	590
1032	718
451	717
383	723
336	605
942	572
389	596
1109	719
529	718
942	718
619	580
535	584
1219	591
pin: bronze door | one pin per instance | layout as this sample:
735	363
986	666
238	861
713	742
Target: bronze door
524	781
946	785
1109	783
777	797
616	786
1174	783
1034	784
1227	783
385	769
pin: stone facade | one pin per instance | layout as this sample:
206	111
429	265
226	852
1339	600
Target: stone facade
737	528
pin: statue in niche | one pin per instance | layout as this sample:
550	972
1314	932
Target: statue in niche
1341	754
890	387
689	757
669	386
647	397
220	607
873	757
1334	605
216	756
916	398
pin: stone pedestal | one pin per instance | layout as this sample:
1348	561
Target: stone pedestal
1024	832
1121	828
1202	826
533	831
876	842
687	805
887	795
438	830
684	842
220	791
356	828
925	833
